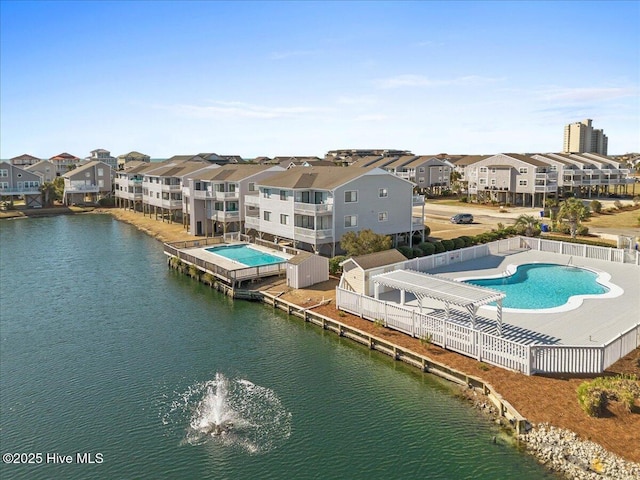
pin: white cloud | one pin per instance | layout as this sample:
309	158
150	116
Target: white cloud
410	80
372	117
239	110
586	94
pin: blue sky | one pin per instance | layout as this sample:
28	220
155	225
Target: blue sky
301	78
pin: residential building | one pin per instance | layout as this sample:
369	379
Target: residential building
313	207
88	183
510	178
580	137
162	185
45	169
131	157
104	156
24	160
128	183
16	182
214	198
65	162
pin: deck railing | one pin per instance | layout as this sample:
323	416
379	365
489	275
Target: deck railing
486	347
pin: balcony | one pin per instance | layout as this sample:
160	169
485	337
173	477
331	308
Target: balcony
312	208
252	200
252	222
417	222
202	194
226	195
545	188
82	188
221	216
171	188
20	191
547	176
313	236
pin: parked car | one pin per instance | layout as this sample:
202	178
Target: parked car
462	218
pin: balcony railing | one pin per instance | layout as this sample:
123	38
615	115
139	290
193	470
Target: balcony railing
251	222
20	190
417	222
307	234
171	188
252	200
545	188
82	188
202	194
312	208
227	195
221	216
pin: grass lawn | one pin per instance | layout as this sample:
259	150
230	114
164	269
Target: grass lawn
625	219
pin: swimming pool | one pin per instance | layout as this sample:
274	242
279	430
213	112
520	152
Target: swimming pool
544	286
246	255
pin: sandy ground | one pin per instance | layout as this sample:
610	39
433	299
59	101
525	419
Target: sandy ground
538	398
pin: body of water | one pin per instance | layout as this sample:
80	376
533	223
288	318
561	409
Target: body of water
107	356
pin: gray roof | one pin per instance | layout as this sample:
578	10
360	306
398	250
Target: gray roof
300	258
319	178
378	259
424	285
231	173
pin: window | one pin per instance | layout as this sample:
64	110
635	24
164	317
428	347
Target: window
4	172
267	193
493	181
483	181
523	170
218	206
483	169
87	174
350	221
421	170
383	193
493	170
267	216
101	172
252	186
283	195
522	183
383	216
4	185
421	180
284	219
351	196
101	183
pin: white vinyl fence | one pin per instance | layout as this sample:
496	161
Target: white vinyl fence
489	348
529	359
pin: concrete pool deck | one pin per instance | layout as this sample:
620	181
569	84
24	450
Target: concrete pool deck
595	322
226	263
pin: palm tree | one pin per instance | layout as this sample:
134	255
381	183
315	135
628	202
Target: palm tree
529	224
573	211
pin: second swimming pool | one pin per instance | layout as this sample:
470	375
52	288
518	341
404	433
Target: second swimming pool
246	255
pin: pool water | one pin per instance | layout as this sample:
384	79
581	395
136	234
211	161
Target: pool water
246	255
542	285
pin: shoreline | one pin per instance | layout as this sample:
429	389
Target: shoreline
559	449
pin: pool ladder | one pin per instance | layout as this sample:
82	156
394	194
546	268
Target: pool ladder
569	262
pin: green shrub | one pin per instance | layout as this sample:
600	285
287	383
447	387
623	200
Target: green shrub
334	264
427	230
596	206
618	204
582	230
448	245
417	252
406	251
468	241
439	247
427	248
464	199
458	243
594	395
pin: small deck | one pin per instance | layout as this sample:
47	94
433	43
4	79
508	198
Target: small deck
232	273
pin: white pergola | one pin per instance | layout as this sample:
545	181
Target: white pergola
450	292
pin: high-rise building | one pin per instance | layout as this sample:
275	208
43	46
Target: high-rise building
581	137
